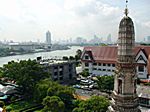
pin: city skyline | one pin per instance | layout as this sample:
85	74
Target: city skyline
28	20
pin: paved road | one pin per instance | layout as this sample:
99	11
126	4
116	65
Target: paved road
143	109
88	93
82	92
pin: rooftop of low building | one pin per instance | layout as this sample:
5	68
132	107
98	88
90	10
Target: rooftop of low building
143	91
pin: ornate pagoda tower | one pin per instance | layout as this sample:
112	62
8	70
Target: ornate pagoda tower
124	96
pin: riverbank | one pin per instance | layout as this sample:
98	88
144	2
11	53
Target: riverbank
4	52
44	55
23	53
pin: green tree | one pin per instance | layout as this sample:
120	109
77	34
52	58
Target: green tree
47	87
2	104
78	54
53	104
65	58
64	92
41	89
94	104
105	83
103	44
84	73
71	58
26	74
66	95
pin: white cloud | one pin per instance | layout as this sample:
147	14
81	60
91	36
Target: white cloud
147	24
90	7
9	9
92	17
30	19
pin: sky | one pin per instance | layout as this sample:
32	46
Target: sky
28	20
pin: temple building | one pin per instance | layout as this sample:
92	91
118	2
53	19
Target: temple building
102	60
124	96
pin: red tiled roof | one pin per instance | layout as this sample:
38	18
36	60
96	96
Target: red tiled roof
105	53
145	48
108	54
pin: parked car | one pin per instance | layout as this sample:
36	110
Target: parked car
77	86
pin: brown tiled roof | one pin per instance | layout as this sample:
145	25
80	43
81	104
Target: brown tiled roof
103	53
108	54
146	49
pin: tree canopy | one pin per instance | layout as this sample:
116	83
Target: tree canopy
53	104
85	73
50	88
105	83
94	104
78	54
25	73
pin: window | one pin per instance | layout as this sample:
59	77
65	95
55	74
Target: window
104	69
61	67
135	82
55	79
108	64
61	78
55	73
108	70
94	63
86	57
99	64
104	64
86	64
56	67
61	73
70	76
94	68
113	70
141	68
120	86
113	65
99	69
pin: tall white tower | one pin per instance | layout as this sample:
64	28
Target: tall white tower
124	96
48	38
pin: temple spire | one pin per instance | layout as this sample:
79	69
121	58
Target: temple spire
126	9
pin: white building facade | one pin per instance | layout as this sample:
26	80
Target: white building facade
102	60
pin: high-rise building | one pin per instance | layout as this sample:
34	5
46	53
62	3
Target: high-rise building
147	39
109	39
48	38
124	96
80	40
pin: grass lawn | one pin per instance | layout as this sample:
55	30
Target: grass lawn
16	107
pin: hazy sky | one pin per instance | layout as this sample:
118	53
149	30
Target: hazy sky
24	20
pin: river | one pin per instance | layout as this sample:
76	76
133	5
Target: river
44	55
